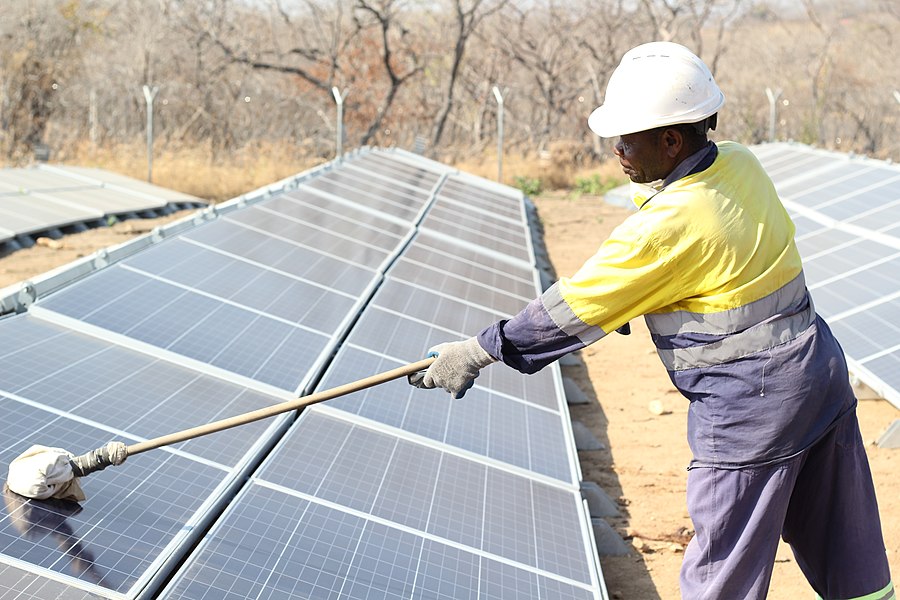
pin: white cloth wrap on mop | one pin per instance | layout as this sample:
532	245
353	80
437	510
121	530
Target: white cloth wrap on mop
41	472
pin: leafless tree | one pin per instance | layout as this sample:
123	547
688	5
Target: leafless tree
467	19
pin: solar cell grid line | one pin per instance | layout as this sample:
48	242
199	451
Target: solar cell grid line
464	236
284	256
401	162
357	175
417	303
310	207
817	186
298	234
331	189
357	211
26	214
327	552
275	372
487	424
30	179
283	474
412	176
470	198
461	185
139	516
350	230
380	185
426	244
882	217
478	292
121	183
481	219
108	201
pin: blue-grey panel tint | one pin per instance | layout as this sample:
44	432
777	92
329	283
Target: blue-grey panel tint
133	513
468	255
822	241
418	303
804	225
558	533
505	582
196	326
105	384
314	266
509	518
467	194
246	284
841	260
473	232
272	545
856	289
23	585
340	219
887	367
495	300
506	278
491	425
387	202
385	564
297	232
446	573
457	512
397	169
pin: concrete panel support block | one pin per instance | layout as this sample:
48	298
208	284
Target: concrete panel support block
599	503
574	395
584	439
609	543
891	437
572	359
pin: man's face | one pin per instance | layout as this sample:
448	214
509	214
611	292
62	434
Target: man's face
644	155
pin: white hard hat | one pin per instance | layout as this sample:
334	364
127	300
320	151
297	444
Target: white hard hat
656	84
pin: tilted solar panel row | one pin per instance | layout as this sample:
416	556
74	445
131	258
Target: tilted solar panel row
390	492
847	213
44	199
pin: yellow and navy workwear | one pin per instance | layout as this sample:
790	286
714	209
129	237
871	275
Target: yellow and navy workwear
709	260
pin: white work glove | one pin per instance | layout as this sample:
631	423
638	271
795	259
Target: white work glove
455	368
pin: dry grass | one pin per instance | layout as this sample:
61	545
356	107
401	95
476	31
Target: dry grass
549	171
193	170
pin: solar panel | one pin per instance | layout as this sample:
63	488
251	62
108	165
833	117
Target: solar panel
409	507
75	391
846	209
387	492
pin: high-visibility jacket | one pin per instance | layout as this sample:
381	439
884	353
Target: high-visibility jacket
710	261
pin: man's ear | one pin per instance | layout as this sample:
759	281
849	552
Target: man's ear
673	142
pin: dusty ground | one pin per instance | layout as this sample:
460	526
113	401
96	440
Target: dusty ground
643	468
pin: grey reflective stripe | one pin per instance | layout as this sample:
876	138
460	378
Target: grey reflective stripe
750	341
566	320
736	319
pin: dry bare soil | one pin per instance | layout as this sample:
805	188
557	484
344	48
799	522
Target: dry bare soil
643	464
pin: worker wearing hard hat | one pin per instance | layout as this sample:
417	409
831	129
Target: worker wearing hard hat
709	259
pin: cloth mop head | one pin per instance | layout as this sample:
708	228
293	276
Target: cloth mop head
41	472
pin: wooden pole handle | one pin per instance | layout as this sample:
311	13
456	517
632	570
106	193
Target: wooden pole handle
277	409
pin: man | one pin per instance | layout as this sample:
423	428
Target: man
709	259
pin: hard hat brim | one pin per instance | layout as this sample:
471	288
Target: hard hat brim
608	121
